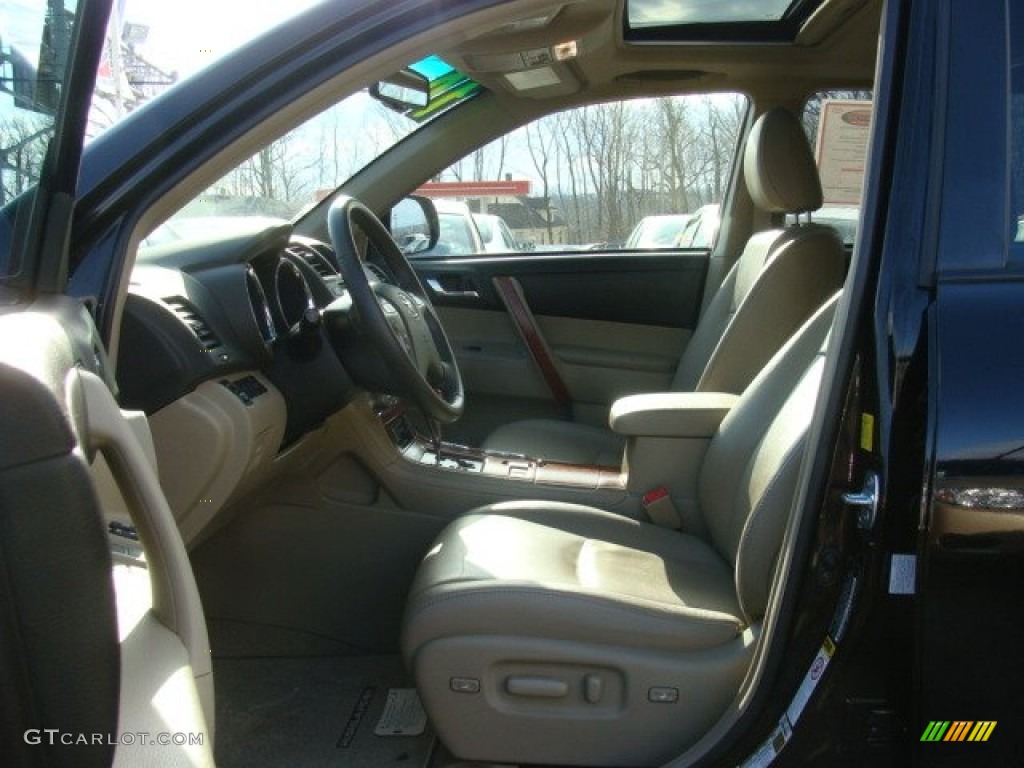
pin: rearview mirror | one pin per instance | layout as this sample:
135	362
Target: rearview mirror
403	91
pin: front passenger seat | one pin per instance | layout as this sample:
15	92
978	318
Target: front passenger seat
559	634
782	276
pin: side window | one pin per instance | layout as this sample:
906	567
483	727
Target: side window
645	175
838	125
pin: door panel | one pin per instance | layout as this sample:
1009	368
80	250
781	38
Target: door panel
602	361
616	323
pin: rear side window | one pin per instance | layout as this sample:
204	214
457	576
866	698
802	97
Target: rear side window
641	175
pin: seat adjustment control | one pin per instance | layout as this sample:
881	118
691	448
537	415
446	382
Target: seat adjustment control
464	685
593	687
537	687
663	695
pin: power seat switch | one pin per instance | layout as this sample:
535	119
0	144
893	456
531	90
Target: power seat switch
593	687
660	695
464	685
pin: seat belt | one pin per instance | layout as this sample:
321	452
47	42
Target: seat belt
511	295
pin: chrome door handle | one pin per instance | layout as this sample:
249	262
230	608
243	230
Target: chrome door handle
439	290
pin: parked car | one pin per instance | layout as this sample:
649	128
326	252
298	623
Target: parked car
495	233
660	231
459	234
269	455
702	229
842	219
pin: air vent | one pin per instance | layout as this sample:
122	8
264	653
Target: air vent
191	317
314	260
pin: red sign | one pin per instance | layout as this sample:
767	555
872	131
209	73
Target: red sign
474	188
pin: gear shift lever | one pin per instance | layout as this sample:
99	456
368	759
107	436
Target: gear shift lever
435	438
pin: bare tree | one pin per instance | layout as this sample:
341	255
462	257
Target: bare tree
23	142
541	144
604	132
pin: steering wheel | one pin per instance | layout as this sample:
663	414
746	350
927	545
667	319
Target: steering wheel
398	321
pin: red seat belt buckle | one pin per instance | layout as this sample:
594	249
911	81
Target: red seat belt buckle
655	494
661	509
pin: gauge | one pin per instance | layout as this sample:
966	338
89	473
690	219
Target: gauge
293	296
260	307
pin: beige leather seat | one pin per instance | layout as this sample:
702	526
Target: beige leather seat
559	634
782	276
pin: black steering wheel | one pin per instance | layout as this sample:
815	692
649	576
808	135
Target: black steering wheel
398	321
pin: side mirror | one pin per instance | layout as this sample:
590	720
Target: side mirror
414	225
36	86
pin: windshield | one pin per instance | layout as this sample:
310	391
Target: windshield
150	46
307	164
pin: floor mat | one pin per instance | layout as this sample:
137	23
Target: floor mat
311	712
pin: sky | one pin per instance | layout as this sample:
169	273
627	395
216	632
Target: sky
187	35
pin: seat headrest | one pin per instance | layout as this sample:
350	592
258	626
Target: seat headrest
780	171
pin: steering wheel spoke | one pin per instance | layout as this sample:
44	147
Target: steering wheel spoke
398	321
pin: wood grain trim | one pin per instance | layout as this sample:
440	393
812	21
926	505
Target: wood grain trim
511	294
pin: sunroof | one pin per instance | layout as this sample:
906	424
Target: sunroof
746	20
664	13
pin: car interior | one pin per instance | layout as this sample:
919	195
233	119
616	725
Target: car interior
519	509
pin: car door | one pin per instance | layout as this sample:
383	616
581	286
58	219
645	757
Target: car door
565	334
571	320
58	641
82	679
970	576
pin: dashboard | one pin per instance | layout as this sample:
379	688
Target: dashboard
244	300
223	345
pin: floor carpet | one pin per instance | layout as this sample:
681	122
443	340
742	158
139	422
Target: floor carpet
311	712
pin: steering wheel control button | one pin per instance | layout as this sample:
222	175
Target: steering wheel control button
464	685
406	302
661	695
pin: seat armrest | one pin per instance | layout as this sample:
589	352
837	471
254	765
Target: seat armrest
670	414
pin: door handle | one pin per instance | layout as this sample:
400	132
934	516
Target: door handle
439	290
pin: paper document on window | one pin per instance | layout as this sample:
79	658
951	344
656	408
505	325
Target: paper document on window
842	148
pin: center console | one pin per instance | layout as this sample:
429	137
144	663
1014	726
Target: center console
419	449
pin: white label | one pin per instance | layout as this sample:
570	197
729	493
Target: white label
842	147
811	680
903	575
768	751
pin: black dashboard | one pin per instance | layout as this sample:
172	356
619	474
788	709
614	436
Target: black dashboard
246	299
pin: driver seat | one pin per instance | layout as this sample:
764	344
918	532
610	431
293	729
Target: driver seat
541	632
781	277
